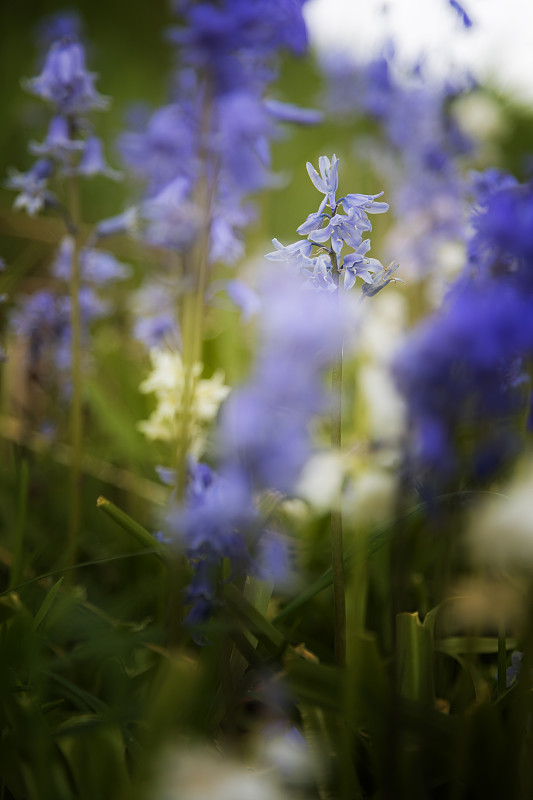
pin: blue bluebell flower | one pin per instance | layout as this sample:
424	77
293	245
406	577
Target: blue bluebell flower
220	124
58	144
33	186
93	162
342	225
65	82
418	148
263	442
464	371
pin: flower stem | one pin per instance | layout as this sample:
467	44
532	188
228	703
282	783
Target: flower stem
76	418
337	558
197	271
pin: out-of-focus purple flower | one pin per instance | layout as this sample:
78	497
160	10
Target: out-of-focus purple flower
122	223
33	186
165	150
512	673
58	143
244	297
97	266
220	39
172	221
416	148
266	423
263	442
210	526
465	19
464	371
273	558
65	82
93	162
288	112
219	128
63	25
504	232
155	316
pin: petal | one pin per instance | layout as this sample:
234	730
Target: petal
321	235
315	178
349	278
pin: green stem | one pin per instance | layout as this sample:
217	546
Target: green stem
337	558
502	658
193	306
17	568
76	418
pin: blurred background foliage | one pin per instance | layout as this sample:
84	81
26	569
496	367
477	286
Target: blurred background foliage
87	682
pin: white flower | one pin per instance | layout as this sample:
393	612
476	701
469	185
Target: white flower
169	382
501	530
205	775
321	480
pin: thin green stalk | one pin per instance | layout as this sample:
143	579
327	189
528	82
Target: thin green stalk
17	568
76	419
193	307
197	272
502	658
337	557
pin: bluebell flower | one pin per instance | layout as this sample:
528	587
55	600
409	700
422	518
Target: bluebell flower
418	148
220	124
263	442
165	150
127	222
342	225
297	252
97	266
58	144
93	162
171	219
244	297
328	180
33	187
288	112
381	278
464	371
153	307
65	82
62	25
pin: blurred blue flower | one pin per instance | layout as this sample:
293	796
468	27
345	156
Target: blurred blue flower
464	371
65	82
33	186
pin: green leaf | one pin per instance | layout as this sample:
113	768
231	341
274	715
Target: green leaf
414	652
374	542
314	684
96	756
47	603
255	622
458	645
87	699
131	526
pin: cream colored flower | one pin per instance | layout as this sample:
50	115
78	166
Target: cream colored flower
501	529
169	382
201	774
